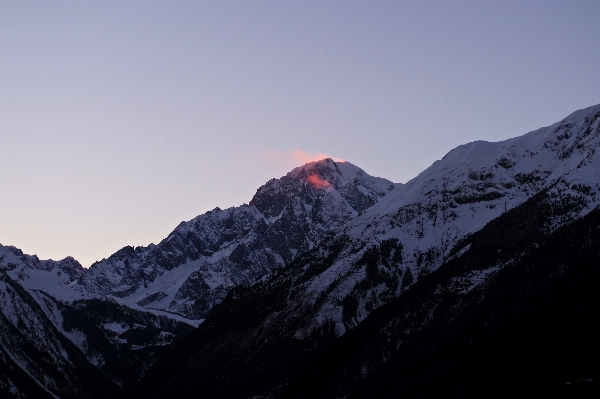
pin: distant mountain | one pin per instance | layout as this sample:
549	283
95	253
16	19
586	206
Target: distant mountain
429	252
37	360
71	347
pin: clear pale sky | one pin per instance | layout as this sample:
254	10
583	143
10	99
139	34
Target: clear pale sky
120	119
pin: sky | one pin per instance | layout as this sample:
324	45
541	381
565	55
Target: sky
120	119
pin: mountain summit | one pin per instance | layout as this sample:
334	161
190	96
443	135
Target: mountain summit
194	267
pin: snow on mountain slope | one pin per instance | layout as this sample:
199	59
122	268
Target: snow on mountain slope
120	315
45	324
551	173
412	230
195	266
32	348
456	196
476	182
354	242
527	326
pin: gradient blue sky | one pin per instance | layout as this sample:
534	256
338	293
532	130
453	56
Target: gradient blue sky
120	119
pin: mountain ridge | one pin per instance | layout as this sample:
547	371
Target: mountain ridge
381	254
313	256
126	311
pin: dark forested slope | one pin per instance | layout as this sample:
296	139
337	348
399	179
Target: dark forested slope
512	311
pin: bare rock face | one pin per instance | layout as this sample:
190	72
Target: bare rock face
195	266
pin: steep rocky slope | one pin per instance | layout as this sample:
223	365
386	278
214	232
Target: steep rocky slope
37	360
528	328
195	266
72	347
264	335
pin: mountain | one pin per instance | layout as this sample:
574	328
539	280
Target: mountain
528	329
67	331
37	360
195	266
71	347
430	250
332	278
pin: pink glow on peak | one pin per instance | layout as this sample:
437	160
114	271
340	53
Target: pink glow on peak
316	182
302	157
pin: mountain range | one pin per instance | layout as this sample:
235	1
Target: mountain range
334	283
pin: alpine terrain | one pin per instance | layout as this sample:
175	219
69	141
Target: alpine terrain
477	278
66	331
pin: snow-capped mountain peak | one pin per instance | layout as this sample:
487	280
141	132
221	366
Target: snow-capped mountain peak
197	264
318	179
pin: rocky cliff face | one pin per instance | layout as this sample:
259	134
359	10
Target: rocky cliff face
195	266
